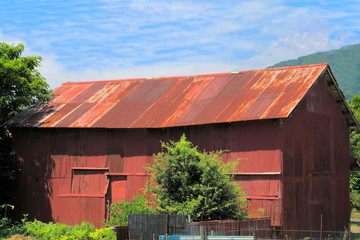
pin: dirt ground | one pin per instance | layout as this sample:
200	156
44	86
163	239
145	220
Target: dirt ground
19	237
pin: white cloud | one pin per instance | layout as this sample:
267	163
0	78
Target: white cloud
9	39
56	73
111	39
291	47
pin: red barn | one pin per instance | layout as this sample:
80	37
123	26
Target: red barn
289	126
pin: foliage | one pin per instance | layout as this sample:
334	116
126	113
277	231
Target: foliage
42	231
344	63
355	153
102	233
355	135
355	199
355	106
8	229
119	211
8	168
186	181
21	85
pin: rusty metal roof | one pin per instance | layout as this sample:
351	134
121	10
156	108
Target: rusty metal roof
175	101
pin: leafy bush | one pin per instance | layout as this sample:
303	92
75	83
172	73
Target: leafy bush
355	200
103	233
42	231
119	211
355	153
85	231
8	229
196	183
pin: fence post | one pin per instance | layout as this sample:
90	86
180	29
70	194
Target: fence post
202	237
166	222
349	230
274	229
321	226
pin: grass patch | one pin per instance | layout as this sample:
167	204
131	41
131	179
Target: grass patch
355	230
355	215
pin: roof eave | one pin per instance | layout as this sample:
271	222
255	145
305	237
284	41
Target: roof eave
340	99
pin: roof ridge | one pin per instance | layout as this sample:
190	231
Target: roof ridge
300	66
198	75
151	78
102	81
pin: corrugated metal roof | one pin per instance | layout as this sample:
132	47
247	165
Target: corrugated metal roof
175	101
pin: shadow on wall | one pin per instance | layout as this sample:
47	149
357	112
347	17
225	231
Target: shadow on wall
33	185
42	186
8	173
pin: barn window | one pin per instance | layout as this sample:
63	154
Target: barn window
89	181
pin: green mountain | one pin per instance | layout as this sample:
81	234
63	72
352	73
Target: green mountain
344	64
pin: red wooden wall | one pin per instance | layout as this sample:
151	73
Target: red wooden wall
316	163
70	164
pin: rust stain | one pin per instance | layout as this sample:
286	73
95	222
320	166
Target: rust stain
199	84
64	111
169	101
105	100
160	91
183	106
104	93
92	115
74	115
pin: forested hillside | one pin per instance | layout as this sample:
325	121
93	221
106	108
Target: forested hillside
344	63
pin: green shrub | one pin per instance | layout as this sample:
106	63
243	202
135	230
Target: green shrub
103	233
8	228
119	211
85	231
42	231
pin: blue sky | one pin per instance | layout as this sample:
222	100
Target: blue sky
115	39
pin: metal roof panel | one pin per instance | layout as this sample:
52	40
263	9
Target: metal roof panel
176	101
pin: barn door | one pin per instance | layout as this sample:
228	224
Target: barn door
118	188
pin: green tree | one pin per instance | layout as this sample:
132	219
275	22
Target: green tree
21	85
190	182
355	153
